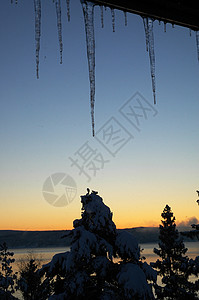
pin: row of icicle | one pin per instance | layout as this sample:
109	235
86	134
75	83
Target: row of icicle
37	7
88	11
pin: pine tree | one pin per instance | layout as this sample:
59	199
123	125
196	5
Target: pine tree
7	276
103	262
174	267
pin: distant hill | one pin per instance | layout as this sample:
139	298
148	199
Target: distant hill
43	239
144	234
34	239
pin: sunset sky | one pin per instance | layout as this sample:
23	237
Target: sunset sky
45	122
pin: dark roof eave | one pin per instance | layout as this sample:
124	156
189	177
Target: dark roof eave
183	13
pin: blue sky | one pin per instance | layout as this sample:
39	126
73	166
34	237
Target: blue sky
45	121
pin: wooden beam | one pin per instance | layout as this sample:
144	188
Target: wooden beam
184	13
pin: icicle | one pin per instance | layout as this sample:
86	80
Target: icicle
102	16
152	55
59	27
88	9
125	18
113	19
165	27
68	9
37	7
173	25
197	43
145	20
189	31
148	26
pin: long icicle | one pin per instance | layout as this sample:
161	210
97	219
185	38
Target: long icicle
37	7
59	27
197	43
88	10
113	18
125	18
145	21
165	27
148	26
102	16
152	55
68	9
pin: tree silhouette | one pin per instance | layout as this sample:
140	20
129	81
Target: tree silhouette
7	276
174	267
103	262
30	282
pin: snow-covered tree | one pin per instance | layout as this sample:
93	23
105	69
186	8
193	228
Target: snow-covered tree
103	262
174	267
7	276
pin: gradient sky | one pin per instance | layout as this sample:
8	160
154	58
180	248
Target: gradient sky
45	121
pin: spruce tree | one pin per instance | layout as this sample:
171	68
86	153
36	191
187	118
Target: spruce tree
174	267
103	262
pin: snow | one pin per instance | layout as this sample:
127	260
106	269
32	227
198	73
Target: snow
88	10
150	273
60	258
98	215
127	246
78	281
101	264
133	279
85	243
